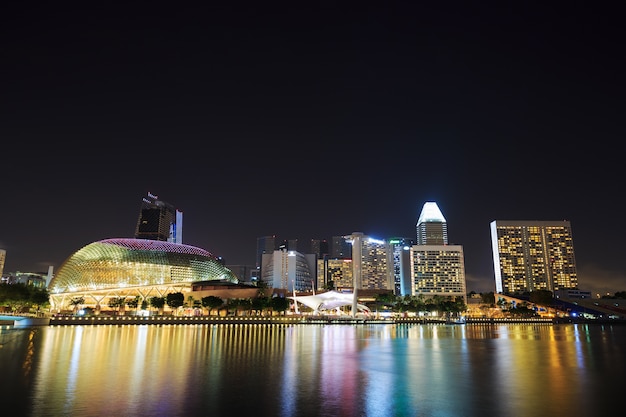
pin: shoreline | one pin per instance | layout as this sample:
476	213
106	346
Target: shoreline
21	322
164	320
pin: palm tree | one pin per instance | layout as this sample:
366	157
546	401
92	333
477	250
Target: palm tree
76	302
117	303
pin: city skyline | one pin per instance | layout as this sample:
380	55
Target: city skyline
306	123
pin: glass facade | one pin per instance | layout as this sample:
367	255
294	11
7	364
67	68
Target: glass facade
131	267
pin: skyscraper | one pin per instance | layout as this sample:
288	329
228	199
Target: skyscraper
370	267
533	255
288	269
264	245
319	248
159	220
340	248
398	251
432	228
436	267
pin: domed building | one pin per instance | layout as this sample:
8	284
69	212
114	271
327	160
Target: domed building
127	268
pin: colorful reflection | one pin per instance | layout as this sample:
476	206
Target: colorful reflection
313	370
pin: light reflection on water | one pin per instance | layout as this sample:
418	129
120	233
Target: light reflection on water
313	370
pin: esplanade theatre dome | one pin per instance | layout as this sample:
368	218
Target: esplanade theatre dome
124	267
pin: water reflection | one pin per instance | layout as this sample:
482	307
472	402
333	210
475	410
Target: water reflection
313	370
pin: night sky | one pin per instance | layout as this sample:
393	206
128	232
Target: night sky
311	121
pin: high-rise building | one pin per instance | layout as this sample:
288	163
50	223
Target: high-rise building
533	255
438	270
436	267
369	262
340	248
159	220
289	244
334	273
319	248
367	267
398	257
264	245
432	228
290	270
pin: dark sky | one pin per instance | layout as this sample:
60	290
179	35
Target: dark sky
310	121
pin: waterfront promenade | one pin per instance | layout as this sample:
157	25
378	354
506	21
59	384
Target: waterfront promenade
162	320
17	321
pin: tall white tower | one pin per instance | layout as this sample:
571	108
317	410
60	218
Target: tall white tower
432	228
437	268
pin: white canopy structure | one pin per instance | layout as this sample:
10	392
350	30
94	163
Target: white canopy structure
329	300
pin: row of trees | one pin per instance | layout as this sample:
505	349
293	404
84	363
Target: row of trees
448	306
176	300
20	298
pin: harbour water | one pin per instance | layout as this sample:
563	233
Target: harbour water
313	370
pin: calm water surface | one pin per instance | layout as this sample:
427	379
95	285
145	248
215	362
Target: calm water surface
313	370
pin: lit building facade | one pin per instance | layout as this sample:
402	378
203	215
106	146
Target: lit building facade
335	273
289	270
398	257
437	268
371	269
34	279
367	268
533	255
432	227
122	267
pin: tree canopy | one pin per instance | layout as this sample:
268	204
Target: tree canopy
21	296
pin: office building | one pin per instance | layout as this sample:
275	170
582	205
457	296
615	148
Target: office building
34	279
289	270
264	245
398	256
340	248
367	268
437	268
288	244
334	273
370	267
432	228
533	255
159	220
245	273
319	248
